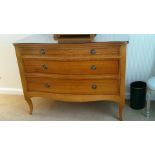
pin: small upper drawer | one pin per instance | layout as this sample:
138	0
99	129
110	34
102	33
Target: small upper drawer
71	50
71	67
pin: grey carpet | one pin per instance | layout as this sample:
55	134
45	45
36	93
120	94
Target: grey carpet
14	107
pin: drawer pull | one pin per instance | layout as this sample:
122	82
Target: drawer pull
42	51
93	52
47	85
94	86
93	67
45	66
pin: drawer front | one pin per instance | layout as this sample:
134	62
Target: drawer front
76	86
71	50
71	67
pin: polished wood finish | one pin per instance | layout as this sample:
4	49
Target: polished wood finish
73	72
75	98
74	38
122	83
71	67
74	50
74	86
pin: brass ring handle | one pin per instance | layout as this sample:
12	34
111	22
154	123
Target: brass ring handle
47	85
93	51
94	86
45	66
93	67
42	51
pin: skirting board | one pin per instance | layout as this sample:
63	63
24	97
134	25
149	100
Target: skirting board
11	91
18	91
128	96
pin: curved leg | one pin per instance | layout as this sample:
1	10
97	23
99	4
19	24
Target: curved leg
121	106
30	105
148	104
120	112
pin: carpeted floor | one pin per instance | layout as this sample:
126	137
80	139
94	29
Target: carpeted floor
14	107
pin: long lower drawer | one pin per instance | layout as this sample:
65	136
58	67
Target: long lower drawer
73	86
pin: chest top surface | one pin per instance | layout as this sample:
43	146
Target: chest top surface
49	39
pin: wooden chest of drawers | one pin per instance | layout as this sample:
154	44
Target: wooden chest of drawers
73	72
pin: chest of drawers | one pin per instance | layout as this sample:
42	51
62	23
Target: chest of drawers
73	72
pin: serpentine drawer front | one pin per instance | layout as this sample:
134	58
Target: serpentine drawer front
73	72
71	67
74	86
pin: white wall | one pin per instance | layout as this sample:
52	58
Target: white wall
9	74
140	61
140	58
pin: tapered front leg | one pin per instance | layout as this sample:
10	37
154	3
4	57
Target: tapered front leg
121	107
29	101
120	113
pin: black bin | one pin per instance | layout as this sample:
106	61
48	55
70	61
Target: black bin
138	95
